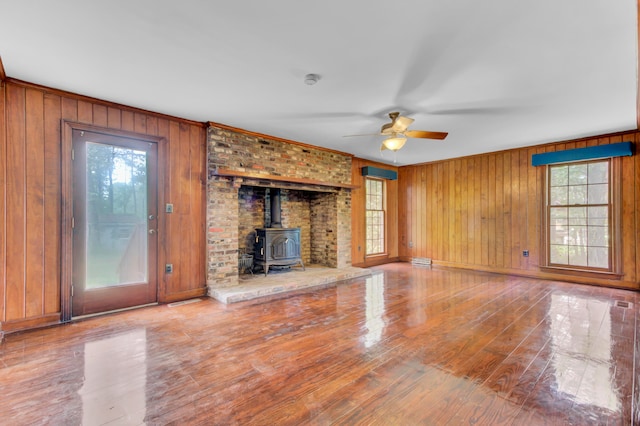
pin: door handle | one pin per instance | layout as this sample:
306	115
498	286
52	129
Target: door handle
152	231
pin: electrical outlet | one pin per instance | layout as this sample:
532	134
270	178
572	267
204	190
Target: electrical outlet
410	244
525	253
168	268
169	208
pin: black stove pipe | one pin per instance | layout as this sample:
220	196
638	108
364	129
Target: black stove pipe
276	211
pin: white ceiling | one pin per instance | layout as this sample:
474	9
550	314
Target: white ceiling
495	74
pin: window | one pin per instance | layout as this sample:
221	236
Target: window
375	216
579	216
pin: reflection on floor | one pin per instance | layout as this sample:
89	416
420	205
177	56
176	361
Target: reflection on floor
286	281
103	360
406	345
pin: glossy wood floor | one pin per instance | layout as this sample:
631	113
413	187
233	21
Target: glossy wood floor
406	346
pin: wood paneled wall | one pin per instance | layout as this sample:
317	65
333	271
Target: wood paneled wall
481	212
31	195
358	234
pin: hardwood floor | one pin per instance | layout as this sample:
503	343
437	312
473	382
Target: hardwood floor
408	345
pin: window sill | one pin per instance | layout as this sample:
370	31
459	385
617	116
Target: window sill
582	273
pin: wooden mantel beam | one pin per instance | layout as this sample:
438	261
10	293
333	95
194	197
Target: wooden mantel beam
276	178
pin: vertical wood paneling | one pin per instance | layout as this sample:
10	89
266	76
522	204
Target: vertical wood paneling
85	112
409	213
421	192
202	182
507	210
518	213
525	164
491	208
628	215
140	122
190	261
437	229
454	194
426	221
100	117
470	206
537	255
34	250
184	196
3	193
52	205
126	121
392	222
417	192
69	109
114	118
402	222
197	202
15	216
357	215
464	212
498	214
152	126
184	170
164	220
444	211
533	212
483	211
636	211
477	215
31	200
451	208
173	220
424	232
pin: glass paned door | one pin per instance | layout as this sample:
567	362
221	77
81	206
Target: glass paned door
115	225
116	234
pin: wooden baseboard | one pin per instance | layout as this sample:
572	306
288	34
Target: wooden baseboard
542	275
183	295
29	323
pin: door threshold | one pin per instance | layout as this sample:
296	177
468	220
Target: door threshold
81	317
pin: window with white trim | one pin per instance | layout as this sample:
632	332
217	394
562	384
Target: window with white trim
580	216
375	216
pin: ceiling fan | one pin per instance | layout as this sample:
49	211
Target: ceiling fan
397	132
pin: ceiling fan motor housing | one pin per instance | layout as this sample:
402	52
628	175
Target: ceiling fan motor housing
386	129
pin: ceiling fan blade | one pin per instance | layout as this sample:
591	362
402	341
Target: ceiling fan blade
401	123
365	134
425	134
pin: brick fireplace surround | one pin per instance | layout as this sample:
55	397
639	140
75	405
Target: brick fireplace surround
241	169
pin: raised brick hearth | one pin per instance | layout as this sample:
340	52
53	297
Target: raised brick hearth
236	200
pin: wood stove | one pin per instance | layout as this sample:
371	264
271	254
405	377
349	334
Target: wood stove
277	247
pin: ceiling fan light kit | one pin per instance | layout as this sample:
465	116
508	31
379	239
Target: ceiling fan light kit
393	143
